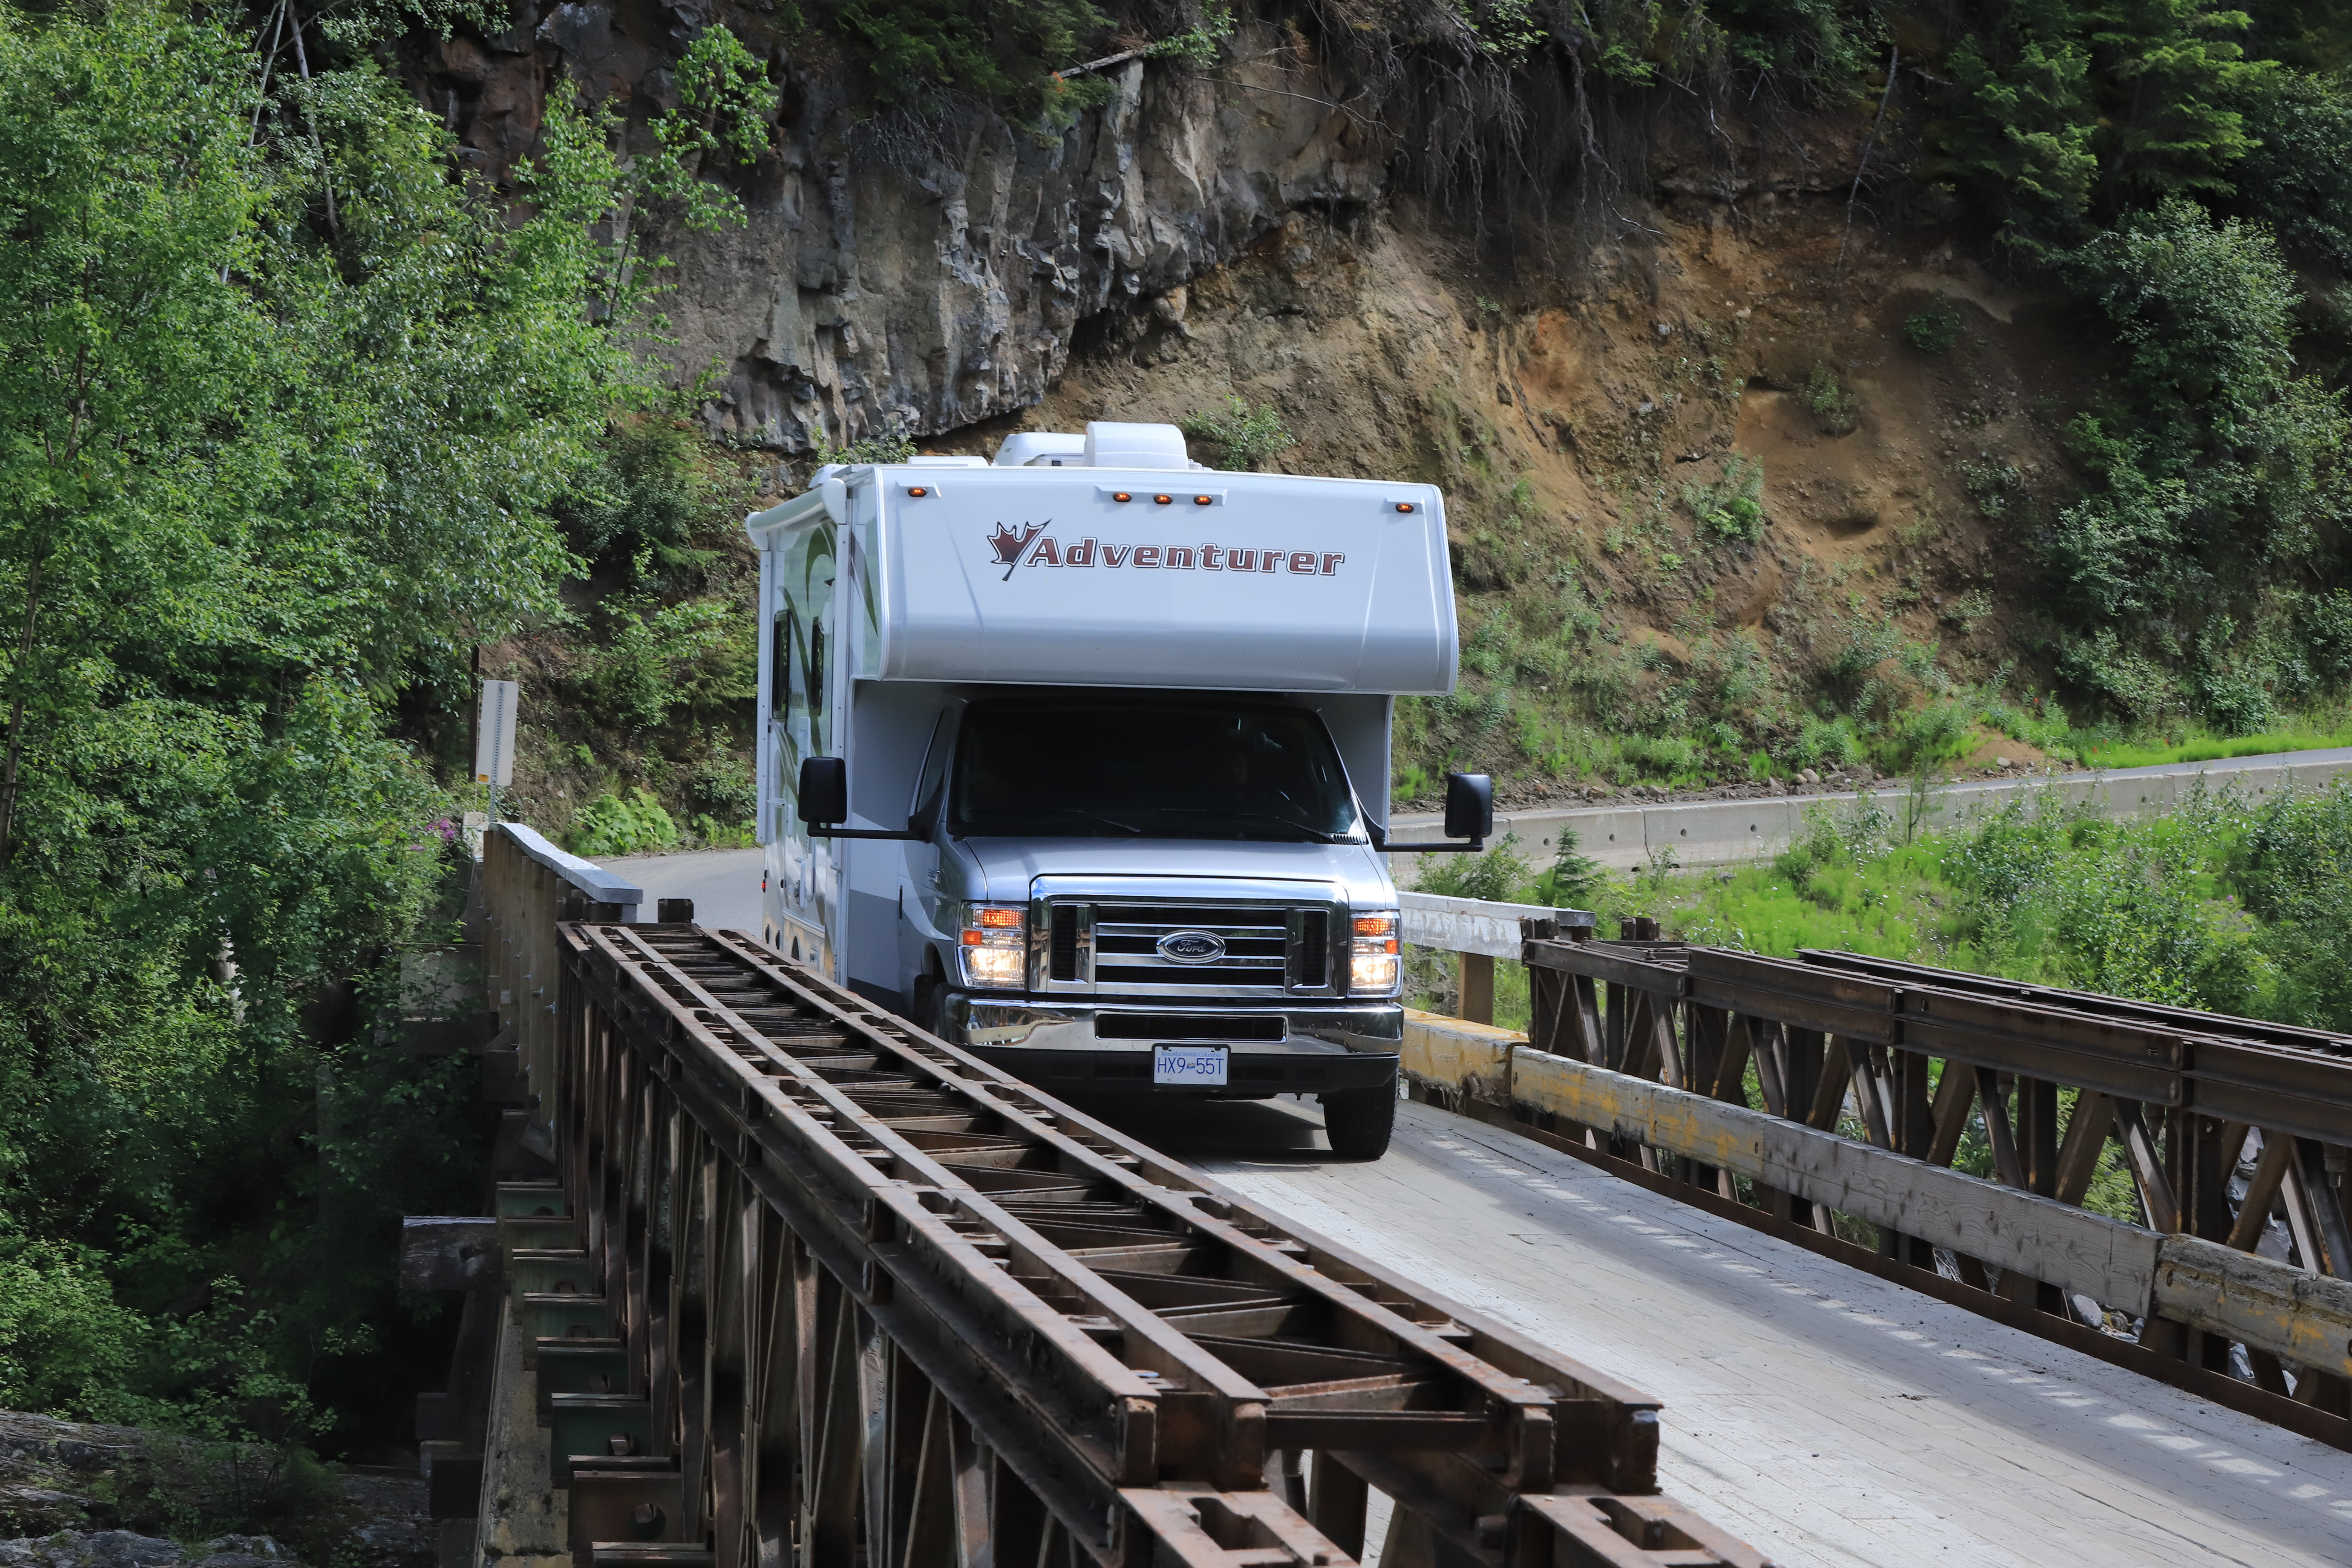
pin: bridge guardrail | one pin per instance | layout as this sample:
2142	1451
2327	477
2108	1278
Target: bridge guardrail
1838	1084
1478	932
529	884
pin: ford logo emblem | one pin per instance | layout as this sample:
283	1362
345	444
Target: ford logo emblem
1192	947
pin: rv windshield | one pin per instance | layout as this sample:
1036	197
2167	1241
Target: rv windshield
1142	769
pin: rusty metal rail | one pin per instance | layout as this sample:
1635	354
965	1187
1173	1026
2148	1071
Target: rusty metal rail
2222	1123
823	1288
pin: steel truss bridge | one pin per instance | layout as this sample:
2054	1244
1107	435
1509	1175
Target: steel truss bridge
808	1286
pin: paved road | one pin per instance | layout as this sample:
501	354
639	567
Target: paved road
1831	1419
723	883
1723	832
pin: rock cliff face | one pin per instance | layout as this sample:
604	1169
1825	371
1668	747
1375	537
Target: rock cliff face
1702	307
930	273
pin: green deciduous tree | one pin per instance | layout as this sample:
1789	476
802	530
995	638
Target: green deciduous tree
284	406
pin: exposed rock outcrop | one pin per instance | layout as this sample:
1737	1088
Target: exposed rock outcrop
927	272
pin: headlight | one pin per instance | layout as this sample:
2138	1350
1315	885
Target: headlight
1372	958
994	946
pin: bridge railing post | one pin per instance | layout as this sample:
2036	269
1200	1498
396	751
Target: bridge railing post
528	887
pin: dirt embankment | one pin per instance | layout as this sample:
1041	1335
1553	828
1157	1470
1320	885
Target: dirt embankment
1582	422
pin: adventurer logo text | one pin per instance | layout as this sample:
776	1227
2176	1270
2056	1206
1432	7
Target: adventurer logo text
1031	545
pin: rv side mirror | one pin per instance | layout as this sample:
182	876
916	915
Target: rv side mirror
1469	806
825	792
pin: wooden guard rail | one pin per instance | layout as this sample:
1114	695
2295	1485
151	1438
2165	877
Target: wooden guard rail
527	885
1788	1092
814	1286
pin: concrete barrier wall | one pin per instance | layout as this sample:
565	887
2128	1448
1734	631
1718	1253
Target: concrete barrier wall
1726	832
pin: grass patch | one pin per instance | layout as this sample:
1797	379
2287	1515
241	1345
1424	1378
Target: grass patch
2126	753
2225	904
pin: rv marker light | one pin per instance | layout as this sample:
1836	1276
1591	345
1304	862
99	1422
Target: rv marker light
1163	500
1402	506
917	492
1202	501
1121	496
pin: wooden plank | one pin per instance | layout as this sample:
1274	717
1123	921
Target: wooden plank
2111	1263
2304	1316
1472	925
449	1253
1477	988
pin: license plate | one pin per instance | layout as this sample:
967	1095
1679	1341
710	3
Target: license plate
1202	1065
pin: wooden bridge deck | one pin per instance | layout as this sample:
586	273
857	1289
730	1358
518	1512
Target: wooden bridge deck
1828	1418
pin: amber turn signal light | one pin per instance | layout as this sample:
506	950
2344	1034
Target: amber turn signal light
1404	506
1163	500
917	492
1120	496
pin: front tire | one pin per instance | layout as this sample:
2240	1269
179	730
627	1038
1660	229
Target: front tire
928	1011
1359	1122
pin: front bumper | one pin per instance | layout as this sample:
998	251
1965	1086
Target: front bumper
1106	1045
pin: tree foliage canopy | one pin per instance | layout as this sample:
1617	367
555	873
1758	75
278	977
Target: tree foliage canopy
285	405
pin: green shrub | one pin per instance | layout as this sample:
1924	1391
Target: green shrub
1934	330
1834	408
1574	880
63	1343
696	653
890	445
617	825
916	50
1245	436
1733	507
643	500
720	782
1831	743
1497	875
1677	759
1990	485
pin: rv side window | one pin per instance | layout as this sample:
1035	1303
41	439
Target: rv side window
816	667
926	802
780	667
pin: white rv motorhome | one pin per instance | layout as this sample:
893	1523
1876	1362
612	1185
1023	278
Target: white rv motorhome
1080	758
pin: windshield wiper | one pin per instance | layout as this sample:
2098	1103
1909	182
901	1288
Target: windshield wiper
1315	835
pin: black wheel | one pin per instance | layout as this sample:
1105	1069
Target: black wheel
1357	1122
927	1009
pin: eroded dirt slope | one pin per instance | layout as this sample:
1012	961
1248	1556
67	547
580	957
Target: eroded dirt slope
1582	422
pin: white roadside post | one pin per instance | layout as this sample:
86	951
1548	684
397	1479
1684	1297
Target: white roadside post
494	747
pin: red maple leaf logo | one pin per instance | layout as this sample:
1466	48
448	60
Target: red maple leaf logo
1008	544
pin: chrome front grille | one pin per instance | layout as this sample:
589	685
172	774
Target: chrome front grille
1192	949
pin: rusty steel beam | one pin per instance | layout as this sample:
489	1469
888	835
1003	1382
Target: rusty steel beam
852	1294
